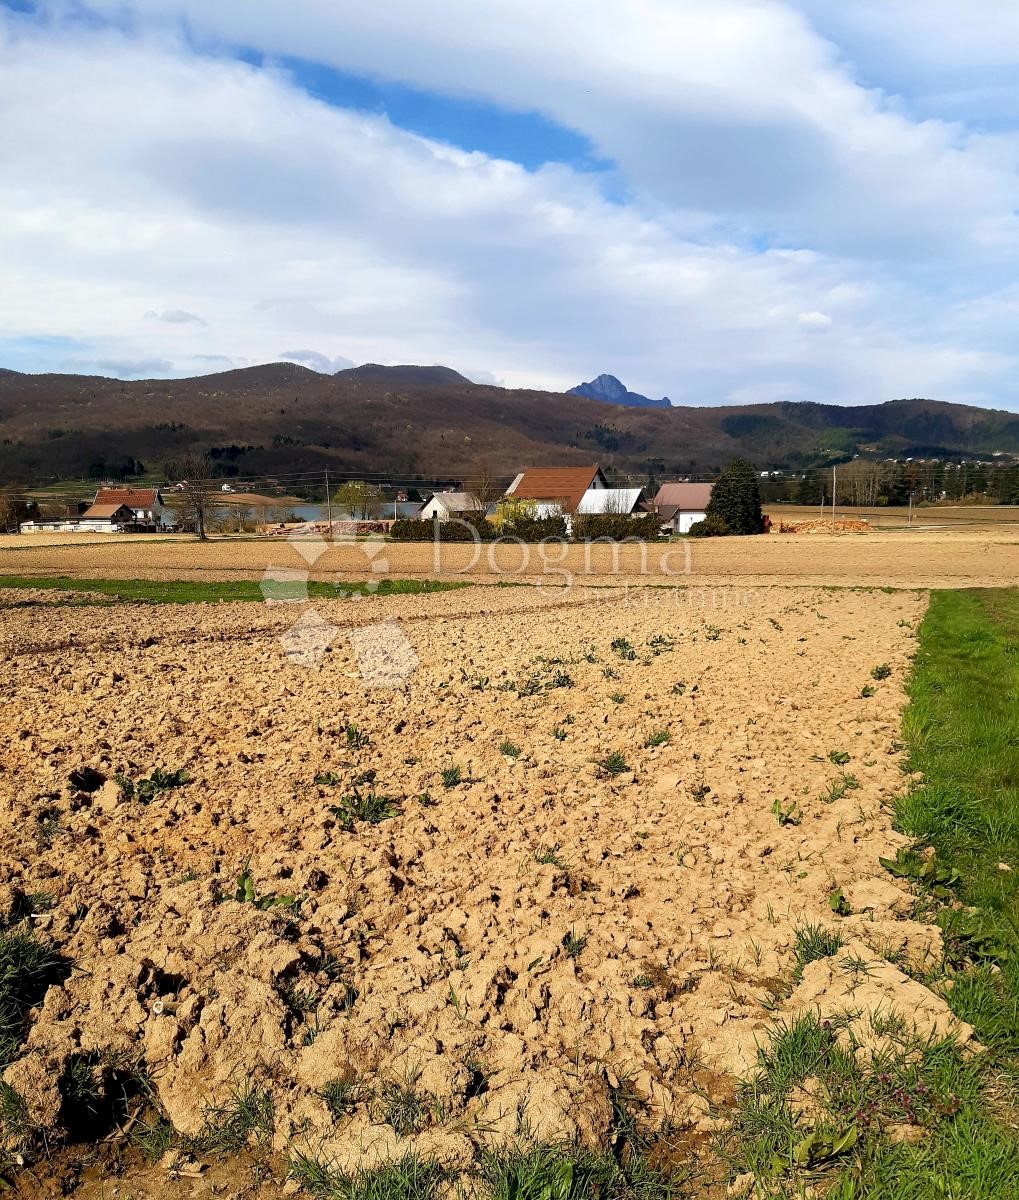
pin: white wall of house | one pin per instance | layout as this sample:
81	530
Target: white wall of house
682	521
434	508
82	525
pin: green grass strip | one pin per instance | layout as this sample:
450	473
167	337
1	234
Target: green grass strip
962	731
181	591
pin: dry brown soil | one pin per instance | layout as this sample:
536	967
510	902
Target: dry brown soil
984	557
433	949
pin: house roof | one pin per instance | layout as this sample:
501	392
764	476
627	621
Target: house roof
134	497
104	511
609	500
566	485
457	501
688	497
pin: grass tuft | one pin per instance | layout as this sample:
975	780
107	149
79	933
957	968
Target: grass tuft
246	1118
407	1179
814	942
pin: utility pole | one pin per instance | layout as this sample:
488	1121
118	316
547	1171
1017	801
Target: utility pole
329	507
833	498
910	507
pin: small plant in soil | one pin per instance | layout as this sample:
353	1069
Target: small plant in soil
882	671
837	788
787	814
343	1095
147	789
409	1178
247	1116
356	738
574	944
679	688
867	691
28	965
813	942
368	807
614	763
838	757
609	673
245	893
154	1138
660	644
402	1107
426	801
510	749
712	633
559	733
624	649
661	737
838	903
642	981
451	776
617	697
550	856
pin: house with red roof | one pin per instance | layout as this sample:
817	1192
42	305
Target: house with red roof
146	505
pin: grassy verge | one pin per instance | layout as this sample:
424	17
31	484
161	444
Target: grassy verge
962	730
921	1120
181	591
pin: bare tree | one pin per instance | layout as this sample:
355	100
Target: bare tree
616	504
194	497
14	508
482	484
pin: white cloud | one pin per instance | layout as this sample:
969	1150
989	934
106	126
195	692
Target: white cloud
317	361
135	168
175	316
815	320
733	108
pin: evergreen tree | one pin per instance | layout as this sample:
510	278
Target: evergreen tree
736	498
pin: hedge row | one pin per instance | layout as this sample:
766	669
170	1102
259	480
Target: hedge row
536	529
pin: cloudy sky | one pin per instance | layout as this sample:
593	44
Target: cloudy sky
724	201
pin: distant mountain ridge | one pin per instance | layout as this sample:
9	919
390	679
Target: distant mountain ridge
431	423
610	390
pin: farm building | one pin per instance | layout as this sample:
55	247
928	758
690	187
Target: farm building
146	504
449	505
681	504
99	518
556	489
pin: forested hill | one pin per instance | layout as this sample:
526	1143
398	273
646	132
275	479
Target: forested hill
432	421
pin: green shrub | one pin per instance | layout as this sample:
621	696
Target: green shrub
468	527
709	527
536	529
617	527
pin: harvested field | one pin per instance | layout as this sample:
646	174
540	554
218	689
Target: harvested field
821	525
578	844
943	558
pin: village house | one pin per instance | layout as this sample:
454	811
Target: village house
448	506
114	510
556	489
680	505
99	518
146	504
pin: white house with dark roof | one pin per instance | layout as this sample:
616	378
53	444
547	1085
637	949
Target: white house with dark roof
680	505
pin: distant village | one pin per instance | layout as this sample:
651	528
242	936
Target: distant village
539	492
536	492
